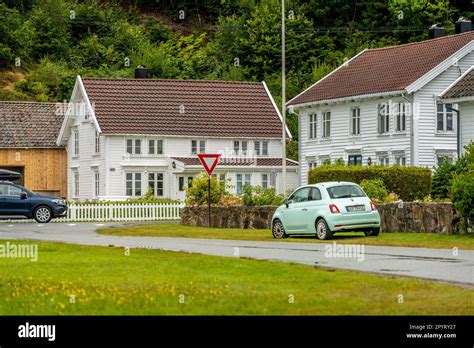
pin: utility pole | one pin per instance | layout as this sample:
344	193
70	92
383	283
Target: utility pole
283	97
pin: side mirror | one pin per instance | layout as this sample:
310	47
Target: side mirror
287	202
23	195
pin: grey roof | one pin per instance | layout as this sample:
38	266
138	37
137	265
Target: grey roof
29	124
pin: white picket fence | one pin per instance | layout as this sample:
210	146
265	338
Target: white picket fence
118	212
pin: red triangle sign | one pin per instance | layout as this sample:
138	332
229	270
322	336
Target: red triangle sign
209	162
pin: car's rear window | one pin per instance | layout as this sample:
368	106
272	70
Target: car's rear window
345	191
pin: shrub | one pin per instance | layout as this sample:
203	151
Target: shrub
409	183
198	193
375	189
391	198
443	176
256	195
463	194
128	201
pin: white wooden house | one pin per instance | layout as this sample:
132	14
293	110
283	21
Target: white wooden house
385	106
124	136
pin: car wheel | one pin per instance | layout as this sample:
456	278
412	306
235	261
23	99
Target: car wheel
278	230
43	214
372	233
322	230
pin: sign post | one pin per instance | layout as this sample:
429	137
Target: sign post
209	162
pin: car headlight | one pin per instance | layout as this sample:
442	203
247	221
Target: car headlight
59	201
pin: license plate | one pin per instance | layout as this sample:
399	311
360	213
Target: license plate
356	208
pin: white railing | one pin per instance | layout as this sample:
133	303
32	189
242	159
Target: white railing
118	212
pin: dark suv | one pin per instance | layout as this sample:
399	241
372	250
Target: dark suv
15	200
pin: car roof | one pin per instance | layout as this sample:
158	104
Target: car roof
333	183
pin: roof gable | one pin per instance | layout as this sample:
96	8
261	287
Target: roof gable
30	124
183	108
461	88
383	70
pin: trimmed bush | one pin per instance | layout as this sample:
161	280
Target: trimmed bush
256	195
198	193
410	183
375	189
462	190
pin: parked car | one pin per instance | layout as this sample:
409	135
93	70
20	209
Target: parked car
324	209
15	200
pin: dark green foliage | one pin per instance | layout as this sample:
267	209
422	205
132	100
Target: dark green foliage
375	189
410	183
256	195
462	190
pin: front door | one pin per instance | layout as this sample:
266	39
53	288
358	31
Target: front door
296	215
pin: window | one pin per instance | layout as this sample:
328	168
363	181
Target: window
311	160
240	147
256	147
242	180
401	117
76	183
354	160
301	195
384	118
345	191
441	158
133	184
383	160
400	160
444	117
97	142
181	183
76	142
264	181
10	190
134	146
326	124
313	124
155	147
265	148
155	183
355	121
190	181
96	184
315	194
198	146
220	177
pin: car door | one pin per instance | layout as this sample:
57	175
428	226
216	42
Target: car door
296	214
315	205
13	204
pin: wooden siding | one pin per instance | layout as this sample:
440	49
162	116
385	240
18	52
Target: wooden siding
45	170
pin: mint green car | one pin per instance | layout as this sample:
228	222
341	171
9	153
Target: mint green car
324	209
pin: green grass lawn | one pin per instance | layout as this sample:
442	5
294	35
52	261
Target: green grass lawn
106	281
409	239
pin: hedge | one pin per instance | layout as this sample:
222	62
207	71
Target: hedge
410	183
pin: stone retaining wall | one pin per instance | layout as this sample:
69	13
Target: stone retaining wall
396	217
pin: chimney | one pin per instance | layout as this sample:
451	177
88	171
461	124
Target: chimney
141	72
463	25
435	31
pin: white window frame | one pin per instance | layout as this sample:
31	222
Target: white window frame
354	155
326	124
134	184
134	146
401	117
265	148
155	147
265	178
355	121
312	126
383	160
200	146
240	147
383	118
155	181
96	176
76	143
76	187
97	142
444	114
243	181
400	159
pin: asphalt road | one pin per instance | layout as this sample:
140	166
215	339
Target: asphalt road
436	264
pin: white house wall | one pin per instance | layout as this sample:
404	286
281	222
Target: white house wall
467	123
429	141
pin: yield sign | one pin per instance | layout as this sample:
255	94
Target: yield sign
209	162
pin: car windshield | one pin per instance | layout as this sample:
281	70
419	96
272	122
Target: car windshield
345	191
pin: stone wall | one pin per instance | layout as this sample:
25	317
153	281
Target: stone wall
396	217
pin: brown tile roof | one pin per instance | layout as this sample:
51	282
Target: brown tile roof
29	124
464	87
384	69
183	107
261	162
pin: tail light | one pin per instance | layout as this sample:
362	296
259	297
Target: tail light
373	206
334	209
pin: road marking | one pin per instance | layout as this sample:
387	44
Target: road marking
99	224
39	225
11	225
71	225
